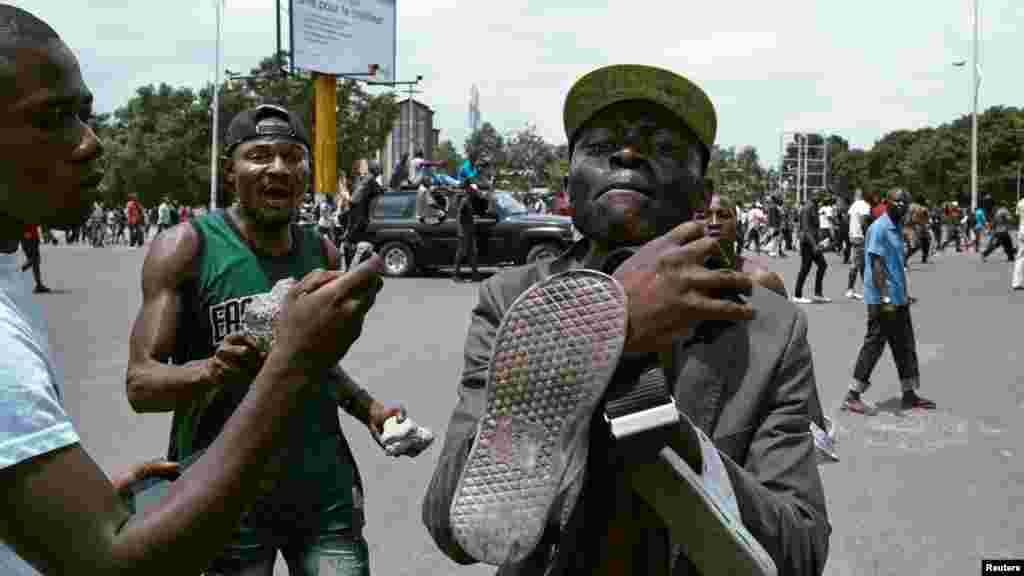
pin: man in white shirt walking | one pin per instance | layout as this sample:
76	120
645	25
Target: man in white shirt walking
1018	265
860	213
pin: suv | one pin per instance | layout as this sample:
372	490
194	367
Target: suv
508	235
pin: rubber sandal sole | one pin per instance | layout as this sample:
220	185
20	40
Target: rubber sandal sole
712	539
554	354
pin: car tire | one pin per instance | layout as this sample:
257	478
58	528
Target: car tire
398	259
545	250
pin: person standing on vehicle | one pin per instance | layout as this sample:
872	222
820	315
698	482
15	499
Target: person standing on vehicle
811	251
467	249
885	293
362	200
197	280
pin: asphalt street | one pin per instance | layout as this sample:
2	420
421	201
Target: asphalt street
912	494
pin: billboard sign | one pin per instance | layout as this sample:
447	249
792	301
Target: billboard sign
344	36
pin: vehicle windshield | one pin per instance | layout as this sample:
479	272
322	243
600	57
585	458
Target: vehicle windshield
508	205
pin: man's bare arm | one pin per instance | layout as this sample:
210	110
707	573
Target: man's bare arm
97	535
352	398
152	384
878	276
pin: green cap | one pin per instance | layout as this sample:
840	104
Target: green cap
605	86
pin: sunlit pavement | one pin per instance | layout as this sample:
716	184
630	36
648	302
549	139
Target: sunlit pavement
912	494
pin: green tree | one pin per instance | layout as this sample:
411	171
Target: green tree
486	143
158	144
528	155
446	152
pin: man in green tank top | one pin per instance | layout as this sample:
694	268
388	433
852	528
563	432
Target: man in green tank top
197	280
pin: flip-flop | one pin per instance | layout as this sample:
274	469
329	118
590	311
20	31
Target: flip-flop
555	352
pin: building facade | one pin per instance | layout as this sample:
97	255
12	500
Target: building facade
414	130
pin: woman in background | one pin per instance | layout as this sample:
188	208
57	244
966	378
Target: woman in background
719	219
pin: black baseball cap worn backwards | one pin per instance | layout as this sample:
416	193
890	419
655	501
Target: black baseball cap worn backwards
265	121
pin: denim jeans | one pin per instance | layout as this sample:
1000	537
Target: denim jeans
329	553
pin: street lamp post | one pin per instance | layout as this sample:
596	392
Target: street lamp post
216	113
974	115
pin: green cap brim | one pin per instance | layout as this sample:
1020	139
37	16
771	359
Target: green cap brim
611	84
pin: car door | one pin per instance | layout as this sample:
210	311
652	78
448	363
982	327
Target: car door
439	240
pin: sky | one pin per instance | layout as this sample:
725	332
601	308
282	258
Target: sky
857	69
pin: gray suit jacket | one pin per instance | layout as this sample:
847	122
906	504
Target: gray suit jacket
750	388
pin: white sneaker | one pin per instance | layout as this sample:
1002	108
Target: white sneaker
802	300
825	442
853	295
821	300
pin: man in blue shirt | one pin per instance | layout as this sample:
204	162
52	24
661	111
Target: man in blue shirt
885	293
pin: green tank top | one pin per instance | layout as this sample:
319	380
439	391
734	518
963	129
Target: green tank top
320	470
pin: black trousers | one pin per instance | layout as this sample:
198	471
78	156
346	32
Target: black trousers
810	254
895	329
954	238
1001	239
922	242
466	251
31	250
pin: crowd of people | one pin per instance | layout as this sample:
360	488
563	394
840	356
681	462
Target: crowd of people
258	458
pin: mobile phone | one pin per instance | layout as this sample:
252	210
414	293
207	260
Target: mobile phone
146	493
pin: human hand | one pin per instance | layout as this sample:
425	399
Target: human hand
237	359
322	315
379	413
888	309
669	290
159	468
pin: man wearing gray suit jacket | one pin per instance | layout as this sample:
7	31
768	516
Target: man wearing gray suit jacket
740	370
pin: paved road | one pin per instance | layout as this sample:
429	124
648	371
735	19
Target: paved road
911	495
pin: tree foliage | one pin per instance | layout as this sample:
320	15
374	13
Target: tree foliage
446	153
158	144
934	163
486	143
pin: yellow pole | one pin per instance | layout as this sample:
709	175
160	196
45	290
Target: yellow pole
325	134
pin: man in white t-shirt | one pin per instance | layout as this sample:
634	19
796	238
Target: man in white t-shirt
860	212
60	512
1017	283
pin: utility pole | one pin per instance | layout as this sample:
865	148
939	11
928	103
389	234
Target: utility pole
974	115
325	132
216	115
278	53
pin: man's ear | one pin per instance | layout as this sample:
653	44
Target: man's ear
228	169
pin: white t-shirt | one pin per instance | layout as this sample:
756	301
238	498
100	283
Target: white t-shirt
858	210
32	416
825	217
1020	217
